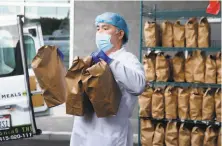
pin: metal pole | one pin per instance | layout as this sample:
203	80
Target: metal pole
26	73
155	12
71	45
140	53
141	30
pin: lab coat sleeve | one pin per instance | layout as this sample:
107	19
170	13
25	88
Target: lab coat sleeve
130	74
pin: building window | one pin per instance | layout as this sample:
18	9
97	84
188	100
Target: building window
54	1
9	10
47	1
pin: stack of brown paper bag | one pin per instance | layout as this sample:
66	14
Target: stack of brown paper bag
81	87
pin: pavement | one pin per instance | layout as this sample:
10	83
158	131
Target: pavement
58	126
36	143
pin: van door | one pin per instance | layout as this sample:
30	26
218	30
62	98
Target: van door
16	112
33	40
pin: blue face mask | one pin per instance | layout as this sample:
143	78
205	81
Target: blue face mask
103	42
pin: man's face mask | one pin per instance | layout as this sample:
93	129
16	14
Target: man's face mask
103	40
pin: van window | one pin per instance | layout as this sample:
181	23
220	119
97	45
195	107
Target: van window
7	51
29	45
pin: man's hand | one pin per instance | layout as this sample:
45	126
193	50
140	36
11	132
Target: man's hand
100	55
60	54
95	59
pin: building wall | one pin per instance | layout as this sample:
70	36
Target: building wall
85	13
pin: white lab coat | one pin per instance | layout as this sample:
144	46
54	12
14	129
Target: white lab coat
115	130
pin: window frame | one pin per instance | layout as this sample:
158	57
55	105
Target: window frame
17	70
26	49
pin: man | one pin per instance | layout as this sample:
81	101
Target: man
111	36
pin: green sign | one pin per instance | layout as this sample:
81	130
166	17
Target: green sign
15	133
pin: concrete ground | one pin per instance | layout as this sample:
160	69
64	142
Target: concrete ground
37	143
59	121
57	127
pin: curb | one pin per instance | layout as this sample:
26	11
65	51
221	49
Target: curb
51	135
64	136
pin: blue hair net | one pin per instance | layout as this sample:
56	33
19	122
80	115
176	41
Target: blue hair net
115	20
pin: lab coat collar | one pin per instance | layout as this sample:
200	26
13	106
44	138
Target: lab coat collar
116	53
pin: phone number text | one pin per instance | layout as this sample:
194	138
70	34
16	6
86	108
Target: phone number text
15	136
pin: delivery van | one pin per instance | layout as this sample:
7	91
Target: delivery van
20	95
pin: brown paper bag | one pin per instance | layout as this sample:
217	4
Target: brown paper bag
198	66
145	102
32	83
106	100
158	104
184	136
219	138
208	105
37	100
203	33
219	70
162	68
50	74
210	137
197	136
147	132
158	138
183	103
178	64
189	63
170	95
171	135
151	34
191	33
178	34
196	100
217	101
169	61
77	102
210	70
167	34
149	66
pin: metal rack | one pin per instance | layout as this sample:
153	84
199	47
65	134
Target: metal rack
175	14
184	84
210	49
155	14
203	123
